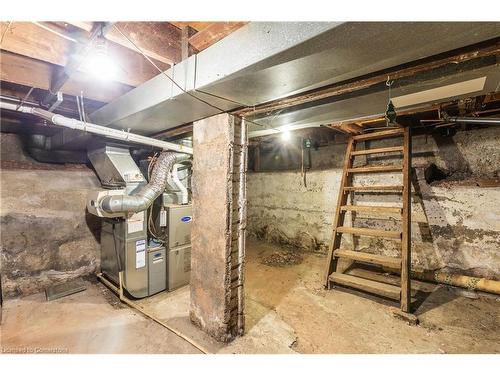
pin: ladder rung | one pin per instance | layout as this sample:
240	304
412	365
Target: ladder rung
370	232
382	150
373	209
376	169
374	188
380	134
375	287
381	260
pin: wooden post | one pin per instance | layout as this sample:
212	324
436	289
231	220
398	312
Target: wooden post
406	223
339	215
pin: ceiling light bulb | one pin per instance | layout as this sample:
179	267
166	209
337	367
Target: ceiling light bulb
98	63
286	135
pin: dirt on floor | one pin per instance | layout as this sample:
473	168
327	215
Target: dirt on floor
288	311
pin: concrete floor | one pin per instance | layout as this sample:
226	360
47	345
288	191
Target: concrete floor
288	311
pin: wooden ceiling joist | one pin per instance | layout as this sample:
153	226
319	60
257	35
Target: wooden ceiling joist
158	40
198	26
29	72
28	39
213	33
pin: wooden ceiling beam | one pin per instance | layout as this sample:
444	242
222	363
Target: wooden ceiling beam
213	33
158	40
198	26
22	70
28	39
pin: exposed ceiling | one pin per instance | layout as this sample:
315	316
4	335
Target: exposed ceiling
266	62
32	53
295	74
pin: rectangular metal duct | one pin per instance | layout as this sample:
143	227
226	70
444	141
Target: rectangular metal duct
375	103
265	61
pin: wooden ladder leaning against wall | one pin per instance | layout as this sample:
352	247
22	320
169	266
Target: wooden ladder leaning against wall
401	293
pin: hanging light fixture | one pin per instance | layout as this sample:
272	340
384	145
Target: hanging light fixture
286	135
98	63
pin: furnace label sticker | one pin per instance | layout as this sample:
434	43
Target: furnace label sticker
135	223
140	254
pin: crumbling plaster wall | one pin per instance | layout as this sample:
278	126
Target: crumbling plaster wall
46	234
455	223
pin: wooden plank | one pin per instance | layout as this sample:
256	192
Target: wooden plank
213	33
158	40
347	128
380	134
386	290
369	258
382	150
373	209
22	70
198	26
27	39
376	169
384	277
339	215
406	225
370	232
396	188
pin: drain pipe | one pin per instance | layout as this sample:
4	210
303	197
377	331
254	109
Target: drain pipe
179	184
242	219
461	281
95	129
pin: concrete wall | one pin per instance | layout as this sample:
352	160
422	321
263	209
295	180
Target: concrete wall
46	234
456	223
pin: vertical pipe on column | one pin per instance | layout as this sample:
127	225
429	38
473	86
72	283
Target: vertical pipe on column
242	208
406	225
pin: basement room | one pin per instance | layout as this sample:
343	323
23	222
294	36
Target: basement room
249	187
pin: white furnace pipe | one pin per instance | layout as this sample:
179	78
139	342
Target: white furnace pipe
96	129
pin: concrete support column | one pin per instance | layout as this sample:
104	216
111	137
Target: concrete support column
216	267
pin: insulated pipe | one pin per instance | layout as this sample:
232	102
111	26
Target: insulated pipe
95	129
141	200
179	184
462	281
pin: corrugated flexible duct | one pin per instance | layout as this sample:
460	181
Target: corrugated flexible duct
141	200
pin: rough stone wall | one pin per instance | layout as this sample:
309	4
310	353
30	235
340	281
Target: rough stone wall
455	222
213	236
46	234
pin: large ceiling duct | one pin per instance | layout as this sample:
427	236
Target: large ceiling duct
405	97
264	61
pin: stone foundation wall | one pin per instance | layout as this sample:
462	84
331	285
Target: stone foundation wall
46	234
455	220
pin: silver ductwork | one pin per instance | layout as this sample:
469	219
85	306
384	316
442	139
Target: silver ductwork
141	200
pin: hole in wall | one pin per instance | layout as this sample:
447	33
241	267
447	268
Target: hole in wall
434	173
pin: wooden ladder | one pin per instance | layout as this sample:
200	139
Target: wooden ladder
400	293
